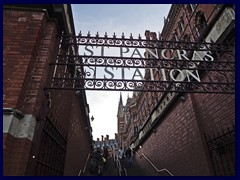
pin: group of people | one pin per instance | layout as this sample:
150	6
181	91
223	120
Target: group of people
99	159
100	156
121	154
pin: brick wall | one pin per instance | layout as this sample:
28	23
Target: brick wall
30	44
41	71
78	140
26	58
215	112
177	143
22	35
15	157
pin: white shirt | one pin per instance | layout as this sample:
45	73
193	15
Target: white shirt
120	153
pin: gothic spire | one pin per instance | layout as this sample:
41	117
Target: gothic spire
120	105
120	101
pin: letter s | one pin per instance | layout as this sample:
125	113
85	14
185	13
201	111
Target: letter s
108	72
89	50
208	57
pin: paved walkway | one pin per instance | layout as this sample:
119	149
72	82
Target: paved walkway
112	170
109	170
134	170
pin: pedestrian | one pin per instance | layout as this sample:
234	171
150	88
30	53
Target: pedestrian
121	155
99	161
128	154
105	156
93	161
115	153
105	152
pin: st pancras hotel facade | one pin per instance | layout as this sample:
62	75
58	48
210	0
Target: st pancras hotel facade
183	133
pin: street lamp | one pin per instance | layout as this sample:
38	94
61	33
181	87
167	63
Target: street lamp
92	118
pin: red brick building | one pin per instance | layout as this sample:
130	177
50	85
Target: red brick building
45	132
188	134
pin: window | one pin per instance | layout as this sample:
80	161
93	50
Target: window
200	21
186	38
181	25
135	130
175	35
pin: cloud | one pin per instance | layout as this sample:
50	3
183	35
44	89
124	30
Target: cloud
133	19
104	107
112	18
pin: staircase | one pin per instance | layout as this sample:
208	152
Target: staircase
111	169
134	170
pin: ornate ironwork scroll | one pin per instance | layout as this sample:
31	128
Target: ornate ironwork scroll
187	71
141	43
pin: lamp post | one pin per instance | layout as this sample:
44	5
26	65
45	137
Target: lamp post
92	118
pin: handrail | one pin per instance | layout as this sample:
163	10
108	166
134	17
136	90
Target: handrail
158	170
80	172
83	171
86	163
120	168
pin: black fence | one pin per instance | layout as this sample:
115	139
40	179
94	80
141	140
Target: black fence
221	147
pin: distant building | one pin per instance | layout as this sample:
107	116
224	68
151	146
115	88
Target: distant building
105	142
187	134
44	132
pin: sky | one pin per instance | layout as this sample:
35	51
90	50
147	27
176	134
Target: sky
118	18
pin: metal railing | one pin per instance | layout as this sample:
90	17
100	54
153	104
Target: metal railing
158	170
84	168
118	164
79	174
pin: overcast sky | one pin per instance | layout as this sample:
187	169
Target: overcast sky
118	18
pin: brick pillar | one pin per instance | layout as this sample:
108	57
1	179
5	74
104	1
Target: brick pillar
23	31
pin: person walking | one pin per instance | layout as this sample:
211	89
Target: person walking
105	156
128	154
99	161
121	156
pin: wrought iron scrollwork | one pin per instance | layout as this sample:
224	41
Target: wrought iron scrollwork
142	43
128	62
73	71
142	85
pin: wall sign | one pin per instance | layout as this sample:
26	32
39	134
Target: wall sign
128	64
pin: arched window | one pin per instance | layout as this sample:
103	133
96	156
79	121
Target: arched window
200	21
135	130
186	38
181	25
175	36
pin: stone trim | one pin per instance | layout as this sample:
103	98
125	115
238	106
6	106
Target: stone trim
19	127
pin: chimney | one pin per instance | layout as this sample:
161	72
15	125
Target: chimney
107	136
153	35
102	137
147	34
97	139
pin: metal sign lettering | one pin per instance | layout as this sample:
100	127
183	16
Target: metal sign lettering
143	65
